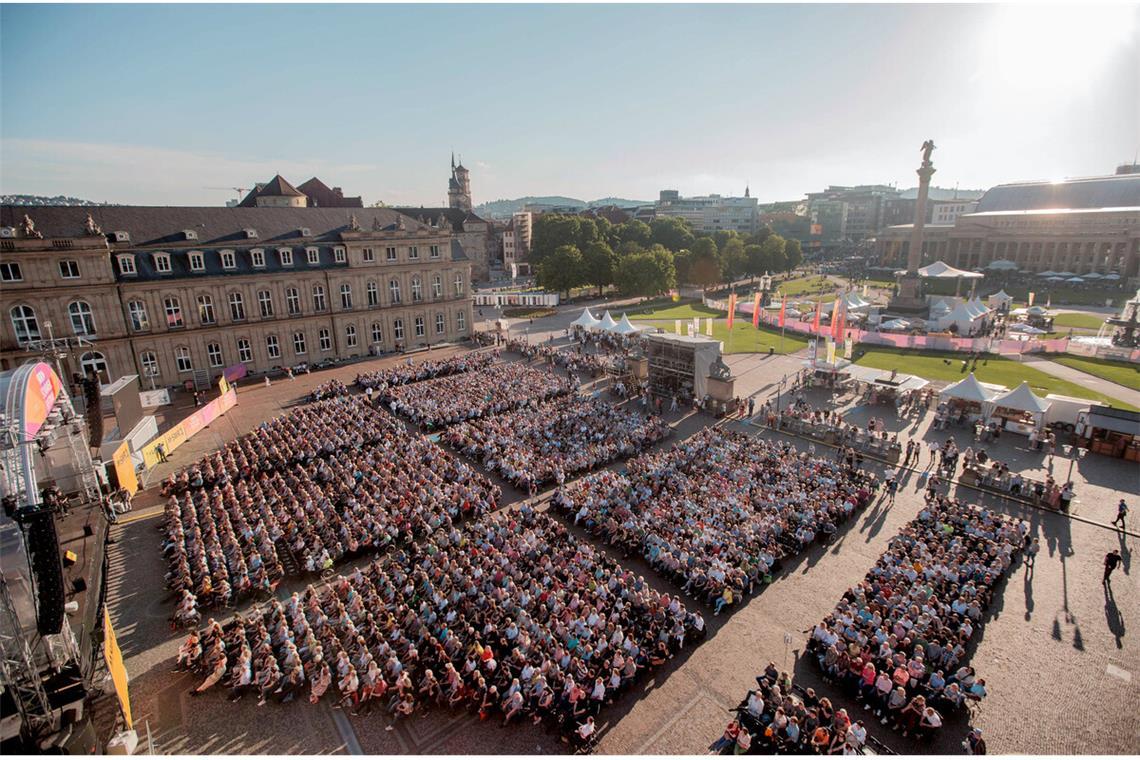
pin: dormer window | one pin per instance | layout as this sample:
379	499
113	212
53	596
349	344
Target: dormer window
250	233
313	255
258	257
286	255
229	261
127	264
339	255
121	236
306	232
197	261
190	234
162	263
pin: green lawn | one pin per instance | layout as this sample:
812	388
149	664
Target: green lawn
808	286
746	339
670	311
932	365
1121	373
1075	319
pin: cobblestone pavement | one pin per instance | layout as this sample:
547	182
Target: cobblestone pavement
1062	669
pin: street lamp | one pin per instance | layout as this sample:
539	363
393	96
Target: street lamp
779	390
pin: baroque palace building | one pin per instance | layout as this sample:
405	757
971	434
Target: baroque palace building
180	293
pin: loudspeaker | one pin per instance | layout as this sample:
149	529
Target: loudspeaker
43	546
88	530
70	558
79	585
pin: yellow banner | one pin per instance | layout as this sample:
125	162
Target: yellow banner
125	468
113	656
223	385
830	351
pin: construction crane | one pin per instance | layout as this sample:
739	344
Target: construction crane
241	191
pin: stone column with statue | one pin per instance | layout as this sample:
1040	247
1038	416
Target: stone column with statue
909	299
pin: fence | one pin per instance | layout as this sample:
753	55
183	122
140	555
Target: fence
938	342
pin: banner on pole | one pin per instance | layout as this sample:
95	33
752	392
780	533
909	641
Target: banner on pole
830	351
783	310
113	656
731	310
708	326
756	310
677	326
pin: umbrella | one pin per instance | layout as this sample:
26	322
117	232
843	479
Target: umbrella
895	324
1047	273
1027	329
1004	264
1055	278
1112	276
1091	276
1074	279
1066	274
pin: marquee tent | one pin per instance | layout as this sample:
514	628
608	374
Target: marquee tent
1002	265
969	389
940	270
586	320
1018	405
625	327
999	298
606	323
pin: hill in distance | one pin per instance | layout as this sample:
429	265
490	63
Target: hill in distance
45	200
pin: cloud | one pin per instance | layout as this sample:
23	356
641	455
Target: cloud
152	176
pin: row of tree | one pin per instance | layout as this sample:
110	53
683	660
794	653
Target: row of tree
647	259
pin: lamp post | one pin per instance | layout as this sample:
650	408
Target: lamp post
779	390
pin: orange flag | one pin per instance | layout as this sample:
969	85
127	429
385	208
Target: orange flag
756	310
731	309
837	320
818	313
783	310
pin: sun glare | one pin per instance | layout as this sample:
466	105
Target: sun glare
1035	48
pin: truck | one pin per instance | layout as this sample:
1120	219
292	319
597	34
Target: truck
1064	410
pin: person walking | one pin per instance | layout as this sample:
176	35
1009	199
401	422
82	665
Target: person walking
1121	513
1111	561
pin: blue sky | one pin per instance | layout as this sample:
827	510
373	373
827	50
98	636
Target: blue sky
157	104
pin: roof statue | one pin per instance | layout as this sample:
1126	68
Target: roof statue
927	149
353	223
89	226
444	223
28	227
400	222
376	225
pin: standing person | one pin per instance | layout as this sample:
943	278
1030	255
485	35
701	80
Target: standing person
1066	496
160	450
1121	513
751	406
975	744
1111	561
934	451
1031	552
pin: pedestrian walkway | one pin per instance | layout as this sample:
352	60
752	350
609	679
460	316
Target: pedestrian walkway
1108	388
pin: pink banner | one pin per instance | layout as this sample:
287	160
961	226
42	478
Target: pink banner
185	430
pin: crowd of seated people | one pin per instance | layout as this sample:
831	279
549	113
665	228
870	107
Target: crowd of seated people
778	719
492	390
303	434
413	372
225	542
508	617
547	442
897	640
717	512
328	389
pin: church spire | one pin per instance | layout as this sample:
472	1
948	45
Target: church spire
746	195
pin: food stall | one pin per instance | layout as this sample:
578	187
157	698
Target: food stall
1110	431
823	374
963	401
1018	411
883	387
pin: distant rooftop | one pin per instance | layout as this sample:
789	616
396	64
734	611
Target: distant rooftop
1112	191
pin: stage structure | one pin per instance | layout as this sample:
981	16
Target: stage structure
680	364
45	670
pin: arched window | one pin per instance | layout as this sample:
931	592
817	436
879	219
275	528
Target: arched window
373	294
82	320
350	335
214	352
25	324
206	310
237	307
182	359
292	301
265	303
346	296
377	333
458	284
95	362
440	324
437	287
394	290
417	289
173	312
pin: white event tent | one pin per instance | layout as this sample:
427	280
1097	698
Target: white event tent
625	327
606	323
586	320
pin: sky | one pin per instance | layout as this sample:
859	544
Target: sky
179	104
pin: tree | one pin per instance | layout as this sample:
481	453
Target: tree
587	233
794	254
723	236
774	259
561	270
704	266
633	231
757	263
646	273
682	262
551	231
598	264
733	260
673	232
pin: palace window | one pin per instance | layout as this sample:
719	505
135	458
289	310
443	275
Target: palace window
137	312
319	298
346	296
197	261
173	312
350	335
265	303
245	351
24	323
292	301
69	269
162	263
325	339
82	320
182	359
206	310
373	294
299	343
10	272
214	352
237	307
258	257
272	347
